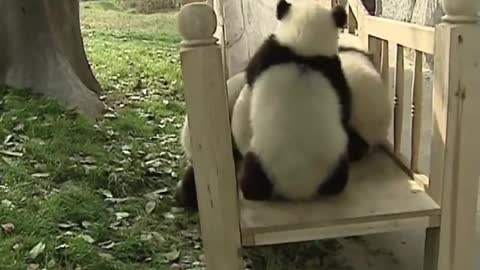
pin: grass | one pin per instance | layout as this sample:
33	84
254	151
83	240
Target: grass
81	195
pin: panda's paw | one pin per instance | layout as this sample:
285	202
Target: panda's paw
254	183
185	192
338	179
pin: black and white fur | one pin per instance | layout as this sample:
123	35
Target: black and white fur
372	107
186	194
300	107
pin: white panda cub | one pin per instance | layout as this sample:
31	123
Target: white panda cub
185	194
372	107
300	107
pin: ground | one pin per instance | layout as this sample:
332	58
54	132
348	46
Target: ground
81	195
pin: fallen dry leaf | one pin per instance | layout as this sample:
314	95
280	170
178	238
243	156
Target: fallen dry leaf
106	256
62	246
121	215
10	153
33	266
36	250
149	207
87	238
7	204
171	256
8	228
107	244
106	193
40	175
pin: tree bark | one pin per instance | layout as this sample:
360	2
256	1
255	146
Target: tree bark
41	48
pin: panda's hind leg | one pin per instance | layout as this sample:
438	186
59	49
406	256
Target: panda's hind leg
186	192
338	179
254	182
358	148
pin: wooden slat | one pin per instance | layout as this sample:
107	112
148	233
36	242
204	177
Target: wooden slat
359	10
399	99
352	22
375	48
417	110
409	35
401	198
385	66
345	230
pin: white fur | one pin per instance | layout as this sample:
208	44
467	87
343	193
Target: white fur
372	106
241	129
297	130
308	41
234	87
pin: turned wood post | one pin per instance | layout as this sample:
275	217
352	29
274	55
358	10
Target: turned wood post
212	156
456	131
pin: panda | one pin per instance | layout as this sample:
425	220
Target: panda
185	193
372	106
300	107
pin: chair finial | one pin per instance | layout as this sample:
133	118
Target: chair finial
197	23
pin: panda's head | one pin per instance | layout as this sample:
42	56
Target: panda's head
308	28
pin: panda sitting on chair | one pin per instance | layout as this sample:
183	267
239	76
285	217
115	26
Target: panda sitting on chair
369	92
300	107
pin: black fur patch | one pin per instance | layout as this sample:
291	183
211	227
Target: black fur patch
338	179
282	9
339	16
367	55
357	146
271	53
254	182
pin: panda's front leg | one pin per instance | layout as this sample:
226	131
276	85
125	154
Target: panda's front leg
254	182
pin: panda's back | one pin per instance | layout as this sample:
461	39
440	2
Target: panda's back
297	123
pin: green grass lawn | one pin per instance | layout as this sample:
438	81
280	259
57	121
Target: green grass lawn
79	195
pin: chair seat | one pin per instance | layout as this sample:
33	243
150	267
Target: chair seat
380	197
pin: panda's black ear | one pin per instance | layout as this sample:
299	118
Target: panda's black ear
339	16
282	9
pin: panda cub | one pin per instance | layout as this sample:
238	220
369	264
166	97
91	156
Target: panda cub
300	107
372	107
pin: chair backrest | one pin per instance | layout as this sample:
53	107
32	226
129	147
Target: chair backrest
401	51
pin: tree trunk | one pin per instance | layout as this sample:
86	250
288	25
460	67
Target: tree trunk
41	48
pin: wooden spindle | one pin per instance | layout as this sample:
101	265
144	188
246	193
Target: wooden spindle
351	22
400	100
375	48
207	109
417	110
385	65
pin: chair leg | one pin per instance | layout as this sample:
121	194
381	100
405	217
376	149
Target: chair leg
222	257
432	244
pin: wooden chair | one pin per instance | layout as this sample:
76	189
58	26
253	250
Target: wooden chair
387	192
